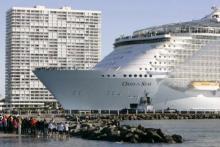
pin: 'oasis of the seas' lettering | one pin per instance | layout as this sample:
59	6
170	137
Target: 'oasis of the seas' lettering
125	83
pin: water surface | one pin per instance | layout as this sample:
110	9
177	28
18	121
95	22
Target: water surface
196	133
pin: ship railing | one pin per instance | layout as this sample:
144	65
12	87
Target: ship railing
56	68
183	29
140	37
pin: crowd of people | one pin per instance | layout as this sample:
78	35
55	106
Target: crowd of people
31	126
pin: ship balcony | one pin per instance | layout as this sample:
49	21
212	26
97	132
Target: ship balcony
140	39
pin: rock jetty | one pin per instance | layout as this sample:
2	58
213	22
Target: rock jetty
111	130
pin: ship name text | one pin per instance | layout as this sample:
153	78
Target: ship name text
125	83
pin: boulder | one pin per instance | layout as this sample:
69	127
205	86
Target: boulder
105	130
177	138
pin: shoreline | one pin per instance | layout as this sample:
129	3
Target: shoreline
10	135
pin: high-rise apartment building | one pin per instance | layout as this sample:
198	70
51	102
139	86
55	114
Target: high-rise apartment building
42	37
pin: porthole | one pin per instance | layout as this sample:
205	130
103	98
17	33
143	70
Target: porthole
150	75
140	68
140	75
135	75
145	75
130	75
113	75
145	68
125	75
108	75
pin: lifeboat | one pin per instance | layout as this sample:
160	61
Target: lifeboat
206	85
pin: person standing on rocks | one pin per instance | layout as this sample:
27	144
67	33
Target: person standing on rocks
15	125
5	124
66	126
45	127
19	125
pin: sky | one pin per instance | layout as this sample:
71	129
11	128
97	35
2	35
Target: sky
118	17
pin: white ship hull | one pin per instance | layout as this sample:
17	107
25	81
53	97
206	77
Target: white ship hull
87	90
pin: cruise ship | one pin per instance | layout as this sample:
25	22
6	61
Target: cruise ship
172	66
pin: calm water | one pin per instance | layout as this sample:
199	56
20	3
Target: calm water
196	133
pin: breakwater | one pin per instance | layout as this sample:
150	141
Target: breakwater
148	116
111	130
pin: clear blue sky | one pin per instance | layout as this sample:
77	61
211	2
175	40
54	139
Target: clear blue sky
118	16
